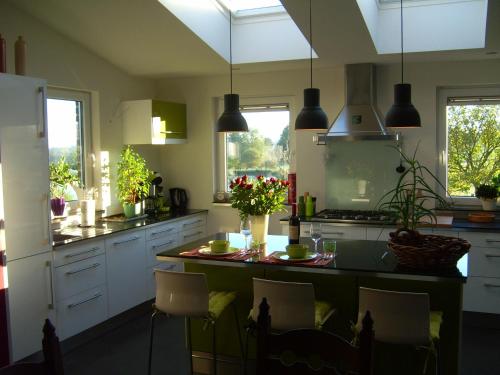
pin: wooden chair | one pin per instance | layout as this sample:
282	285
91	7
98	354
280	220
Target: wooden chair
52	364
310	351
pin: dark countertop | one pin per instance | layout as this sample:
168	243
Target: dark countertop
354	257
75	233
458	224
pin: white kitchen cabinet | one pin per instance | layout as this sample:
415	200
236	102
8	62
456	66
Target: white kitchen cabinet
78	251
125	269
339	232
31	301
150	275
192	228
159	245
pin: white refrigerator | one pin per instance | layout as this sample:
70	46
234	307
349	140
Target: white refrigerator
25	236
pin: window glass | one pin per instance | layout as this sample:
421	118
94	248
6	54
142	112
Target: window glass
264	150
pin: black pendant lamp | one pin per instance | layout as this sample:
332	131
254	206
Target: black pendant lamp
231	119
402	113
312	116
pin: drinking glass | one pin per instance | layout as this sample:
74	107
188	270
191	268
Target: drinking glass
315	232
246	230
329	248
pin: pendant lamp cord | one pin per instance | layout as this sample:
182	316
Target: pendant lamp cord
402	66
310	41
230	54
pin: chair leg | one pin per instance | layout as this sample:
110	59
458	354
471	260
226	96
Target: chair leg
190	345
214	351
239	337
245	356
153	316
437	359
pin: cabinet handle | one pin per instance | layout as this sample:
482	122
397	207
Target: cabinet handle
170	132
337	233
42	90
193	222
192	235
488	285
95	265
490	240
163	244
162	231
82	252
46	218
125	241
488	255
96	296
50	289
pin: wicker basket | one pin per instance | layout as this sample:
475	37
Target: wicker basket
426	251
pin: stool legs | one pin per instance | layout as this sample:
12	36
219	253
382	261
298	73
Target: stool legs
214	350
242	353
153	318
190	345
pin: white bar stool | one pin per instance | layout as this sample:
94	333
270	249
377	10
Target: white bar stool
402	318
186	294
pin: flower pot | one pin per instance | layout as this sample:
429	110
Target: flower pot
131	210
260	225
57	205
489	204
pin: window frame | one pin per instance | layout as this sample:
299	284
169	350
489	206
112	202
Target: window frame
220	138
61	93
443	94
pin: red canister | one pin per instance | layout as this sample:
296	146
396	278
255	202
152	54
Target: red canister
292	188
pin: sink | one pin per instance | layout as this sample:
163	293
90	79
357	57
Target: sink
58	237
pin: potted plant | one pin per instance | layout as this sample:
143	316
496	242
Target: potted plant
488	195
60	175
258	198
133	181
409	202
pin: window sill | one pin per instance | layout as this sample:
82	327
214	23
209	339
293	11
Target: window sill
221	204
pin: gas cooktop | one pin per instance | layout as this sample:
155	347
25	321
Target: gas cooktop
355	216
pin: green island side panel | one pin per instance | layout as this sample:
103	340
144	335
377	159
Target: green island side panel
174	117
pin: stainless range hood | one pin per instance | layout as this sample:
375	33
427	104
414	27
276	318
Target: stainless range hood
360	118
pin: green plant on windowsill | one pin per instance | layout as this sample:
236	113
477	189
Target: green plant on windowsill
488	195
133	180
61	175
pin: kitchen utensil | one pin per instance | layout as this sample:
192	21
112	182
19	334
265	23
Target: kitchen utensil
297	251
208	251
283	256
219	246
178	199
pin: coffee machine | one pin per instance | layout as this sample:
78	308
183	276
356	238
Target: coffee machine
155	196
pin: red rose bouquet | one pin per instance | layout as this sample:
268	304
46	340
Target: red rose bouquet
260	196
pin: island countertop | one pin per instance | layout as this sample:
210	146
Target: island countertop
353	257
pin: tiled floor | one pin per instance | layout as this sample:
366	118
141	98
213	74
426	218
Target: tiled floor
124	350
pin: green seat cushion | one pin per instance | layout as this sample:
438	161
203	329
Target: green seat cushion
218	301
322	312
436	318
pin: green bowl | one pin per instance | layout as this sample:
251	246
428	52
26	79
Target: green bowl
219	246
297	251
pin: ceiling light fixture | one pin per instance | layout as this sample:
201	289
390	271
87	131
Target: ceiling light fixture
231	119
312	116
402	113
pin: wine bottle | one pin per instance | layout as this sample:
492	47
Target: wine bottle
294	226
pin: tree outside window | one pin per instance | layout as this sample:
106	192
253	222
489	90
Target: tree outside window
473	147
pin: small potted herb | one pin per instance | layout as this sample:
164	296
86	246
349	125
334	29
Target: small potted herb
61	176
488	195
134	180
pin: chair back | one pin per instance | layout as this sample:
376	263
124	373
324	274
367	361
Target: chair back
292	304
311	351
400	317
52	364
181	293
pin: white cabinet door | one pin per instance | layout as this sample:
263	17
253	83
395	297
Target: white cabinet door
335	231
482	294
29	298
77	251
125	265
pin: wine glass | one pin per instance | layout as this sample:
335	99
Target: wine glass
246	230
315	232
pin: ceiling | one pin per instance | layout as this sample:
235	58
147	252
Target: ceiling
143	38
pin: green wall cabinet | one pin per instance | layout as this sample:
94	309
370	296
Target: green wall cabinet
153	122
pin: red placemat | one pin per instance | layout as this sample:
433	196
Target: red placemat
236	256
319	262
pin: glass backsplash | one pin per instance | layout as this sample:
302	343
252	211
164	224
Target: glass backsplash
359	173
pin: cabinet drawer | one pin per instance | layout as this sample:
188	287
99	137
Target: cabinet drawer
336	231
75	252
162	231
484	261
483	239
157	246
191	235
81	311
193	222
77	277
150	275
482	294
379	234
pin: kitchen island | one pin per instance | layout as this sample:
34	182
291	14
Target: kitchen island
357	263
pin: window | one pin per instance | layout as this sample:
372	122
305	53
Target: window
469	140
264	150
69	132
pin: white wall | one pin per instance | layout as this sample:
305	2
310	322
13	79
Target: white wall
65	63
192	165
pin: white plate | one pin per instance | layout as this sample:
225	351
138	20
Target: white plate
208	251
283	256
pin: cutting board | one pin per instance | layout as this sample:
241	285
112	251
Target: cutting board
440	222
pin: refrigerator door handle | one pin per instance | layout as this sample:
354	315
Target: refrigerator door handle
42	90
50	291
46	218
